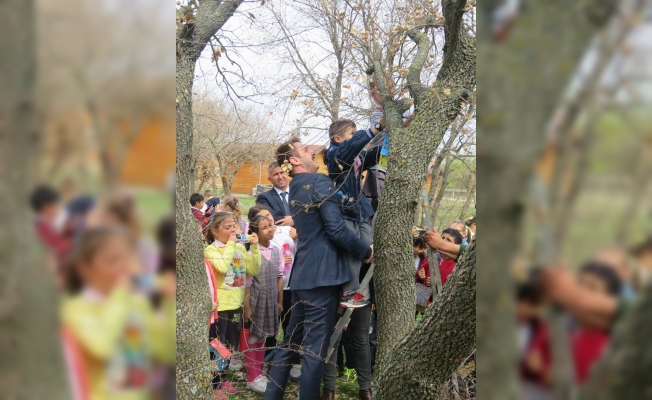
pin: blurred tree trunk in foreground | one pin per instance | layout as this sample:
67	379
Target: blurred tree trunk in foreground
31	362
522	79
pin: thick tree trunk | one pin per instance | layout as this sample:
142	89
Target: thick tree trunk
434	349
31	361
545	43
193	300
194	369
411	150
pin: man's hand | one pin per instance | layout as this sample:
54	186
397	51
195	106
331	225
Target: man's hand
287	221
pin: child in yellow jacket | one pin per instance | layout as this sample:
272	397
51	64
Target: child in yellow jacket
111	334
231	263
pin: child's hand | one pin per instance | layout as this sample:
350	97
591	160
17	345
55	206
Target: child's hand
287	259
293	234
214	306
169	286
280	308
247	315
370	257
428	281
534	361
254	240
232	237
422	273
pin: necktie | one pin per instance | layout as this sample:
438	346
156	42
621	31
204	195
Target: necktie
286	206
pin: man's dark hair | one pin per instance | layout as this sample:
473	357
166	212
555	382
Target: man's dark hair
272	166
287	150
195	197
340	126
606	273
454	233
43	196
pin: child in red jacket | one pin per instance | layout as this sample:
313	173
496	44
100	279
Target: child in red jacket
587	341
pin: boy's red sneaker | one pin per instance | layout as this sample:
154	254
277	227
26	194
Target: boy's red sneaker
353	300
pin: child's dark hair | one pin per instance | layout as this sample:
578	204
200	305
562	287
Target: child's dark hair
216	220
255	222
195	197
529	290
124	210
233	203
606	273
419	242
166	237
42	196
454	233
340	126
85	249
253	211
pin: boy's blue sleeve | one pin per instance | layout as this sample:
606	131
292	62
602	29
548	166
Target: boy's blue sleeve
347	151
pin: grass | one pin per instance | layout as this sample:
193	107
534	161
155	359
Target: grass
153	205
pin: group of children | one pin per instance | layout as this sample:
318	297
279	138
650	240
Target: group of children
247	278
118	308
588	337
458	232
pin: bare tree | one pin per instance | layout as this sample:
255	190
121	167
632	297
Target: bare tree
231	139
436	106
197	23
108	74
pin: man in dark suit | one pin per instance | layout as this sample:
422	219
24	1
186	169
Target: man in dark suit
278	198
320	268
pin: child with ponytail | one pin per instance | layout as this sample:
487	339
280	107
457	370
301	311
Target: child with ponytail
263	301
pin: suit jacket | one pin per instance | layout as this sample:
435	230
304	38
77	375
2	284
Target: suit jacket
324	239
273	201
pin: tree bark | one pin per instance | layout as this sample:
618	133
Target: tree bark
442	339
513	117
194	370
410	155
31	365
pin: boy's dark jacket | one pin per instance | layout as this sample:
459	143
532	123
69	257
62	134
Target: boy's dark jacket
339	160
